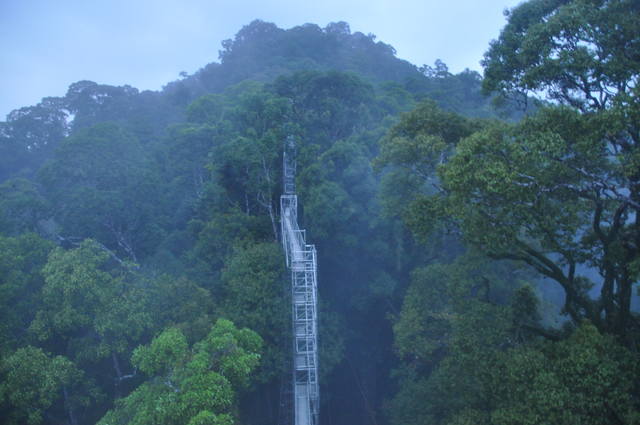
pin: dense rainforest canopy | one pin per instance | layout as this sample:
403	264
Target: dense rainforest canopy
478	236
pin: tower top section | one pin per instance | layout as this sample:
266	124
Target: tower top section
289	166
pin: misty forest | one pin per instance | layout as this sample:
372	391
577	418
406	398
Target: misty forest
477	235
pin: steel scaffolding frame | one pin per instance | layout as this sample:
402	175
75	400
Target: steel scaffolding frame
302	261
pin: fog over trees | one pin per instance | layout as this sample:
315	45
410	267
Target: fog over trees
478	235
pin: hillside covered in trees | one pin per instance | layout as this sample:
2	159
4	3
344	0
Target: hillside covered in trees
478	236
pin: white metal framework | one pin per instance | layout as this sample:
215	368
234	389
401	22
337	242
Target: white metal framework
301	260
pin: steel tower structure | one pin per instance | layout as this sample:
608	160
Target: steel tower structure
301	261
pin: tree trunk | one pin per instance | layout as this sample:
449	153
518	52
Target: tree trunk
68	408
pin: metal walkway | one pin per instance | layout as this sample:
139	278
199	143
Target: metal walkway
301	260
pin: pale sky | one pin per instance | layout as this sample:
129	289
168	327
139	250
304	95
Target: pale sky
46	45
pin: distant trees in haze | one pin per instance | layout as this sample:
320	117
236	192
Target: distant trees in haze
141	279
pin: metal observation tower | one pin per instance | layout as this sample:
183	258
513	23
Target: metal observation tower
301	260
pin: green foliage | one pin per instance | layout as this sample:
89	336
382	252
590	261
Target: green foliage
253	296
92	103
185	182
459	93
425	320
579	52
196	385
165	351
467	360
100	186
89	310
29	136
554	192
529	192
243	165
21	280
261	51
453	324
330	106
414	147
235	351
585	379
33	383
21	207
179	302
207	418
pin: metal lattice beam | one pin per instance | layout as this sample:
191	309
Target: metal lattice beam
301	260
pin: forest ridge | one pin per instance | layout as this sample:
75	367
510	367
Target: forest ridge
478	235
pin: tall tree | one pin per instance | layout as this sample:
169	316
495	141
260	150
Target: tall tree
101	186
36	387
22	207
21	281
560	190
195	385
583	53
29	136
91	309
